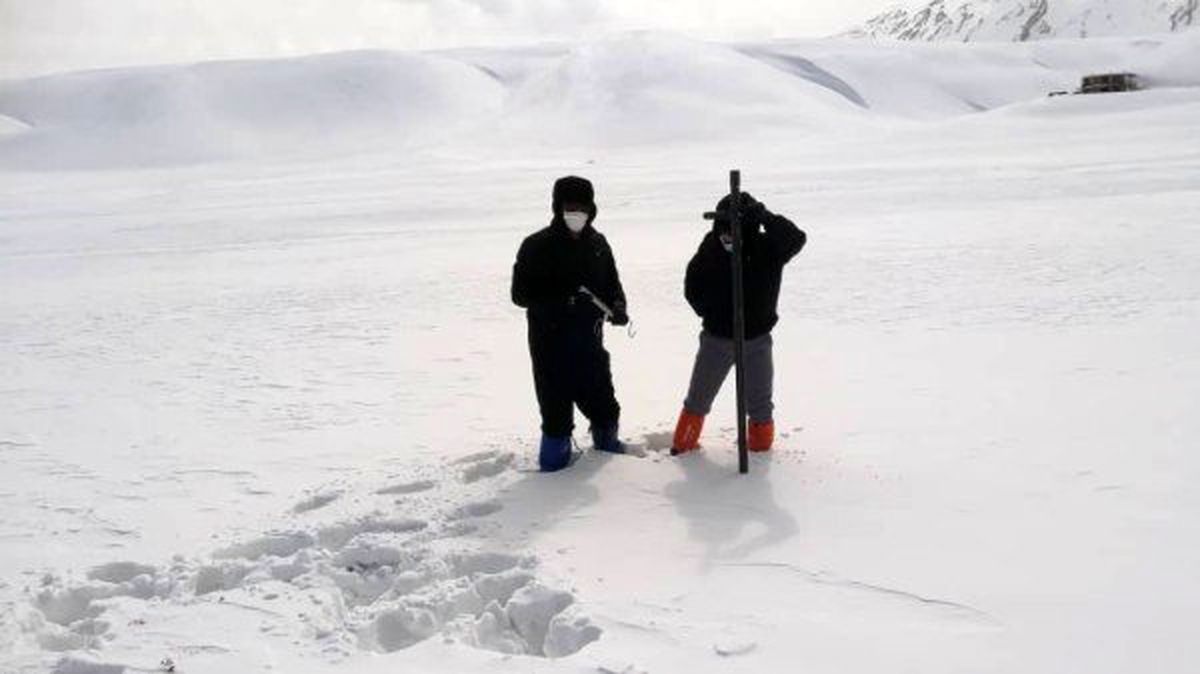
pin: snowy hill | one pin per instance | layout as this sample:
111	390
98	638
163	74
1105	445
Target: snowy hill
625	89
9	125
215	110
1020	20
267	406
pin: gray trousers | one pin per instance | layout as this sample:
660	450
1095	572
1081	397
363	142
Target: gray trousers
714	359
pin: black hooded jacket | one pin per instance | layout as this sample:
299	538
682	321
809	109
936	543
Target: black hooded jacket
552	265
709	283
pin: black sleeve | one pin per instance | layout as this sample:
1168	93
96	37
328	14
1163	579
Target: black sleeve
615	290
698	271
786	239
531	286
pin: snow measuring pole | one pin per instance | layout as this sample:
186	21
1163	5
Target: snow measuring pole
739	317
734	215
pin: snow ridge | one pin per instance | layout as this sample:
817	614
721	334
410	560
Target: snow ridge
216	110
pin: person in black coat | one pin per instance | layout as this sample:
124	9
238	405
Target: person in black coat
566	279
769	241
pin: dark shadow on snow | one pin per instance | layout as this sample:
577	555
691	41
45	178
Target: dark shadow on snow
537	500
807	70
720	507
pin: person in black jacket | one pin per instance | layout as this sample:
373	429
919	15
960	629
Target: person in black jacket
769	241
566	279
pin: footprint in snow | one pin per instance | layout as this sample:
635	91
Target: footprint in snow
280	544
476	457
477	509
120	572
316	501
658	442
490	464
731	648
407	488
400	585
338	535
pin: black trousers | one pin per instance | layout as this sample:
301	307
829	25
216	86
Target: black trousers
571	368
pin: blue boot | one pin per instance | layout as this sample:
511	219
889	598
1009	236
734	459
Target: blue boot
554	454
605	440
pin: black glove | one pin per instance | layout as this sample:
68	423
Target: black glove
753	211
619	316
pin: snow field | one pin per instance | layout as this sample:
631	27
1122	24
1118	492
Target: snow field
275	414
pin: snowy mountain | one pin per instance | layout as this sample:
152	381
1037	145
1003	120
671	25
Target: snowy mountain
1020	20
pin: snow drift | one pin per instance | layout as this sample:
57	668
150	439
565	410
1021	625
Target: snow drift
9	125
924	81
649	86
933	81
1176	63
628	89
207	111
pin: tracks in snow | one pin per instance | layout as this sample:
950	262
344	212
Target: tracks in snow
416	565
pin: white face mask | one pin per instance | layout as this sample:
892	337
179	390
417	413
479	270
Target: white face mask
576	220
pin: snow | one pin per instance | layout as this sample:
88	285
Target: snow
218	110
653	87
1175	63
267	405
9	125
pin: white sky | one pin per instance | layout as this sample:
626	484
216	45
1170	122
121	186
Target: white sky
38	36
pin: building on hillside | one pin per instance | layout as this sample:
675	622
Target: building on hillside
1109	82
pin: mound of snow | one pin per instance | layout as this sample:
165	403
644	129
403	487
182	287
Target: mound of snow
931	81
8	125
650	86
923	81
191	113
1175	63
74	665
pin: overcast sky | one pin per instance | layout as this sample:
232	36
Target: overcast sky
38	36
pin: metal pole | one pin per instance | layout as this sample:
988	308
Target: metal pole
739	318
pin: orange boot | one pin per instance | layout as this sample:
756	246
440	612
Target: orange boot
762	435
687	433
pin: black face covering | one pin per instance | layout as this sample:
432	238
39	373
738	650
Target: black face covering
574	190
721	222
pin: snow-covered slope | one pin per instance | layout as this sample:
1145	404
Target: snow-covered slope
9	125
217	110
1020	20
653	87
625	89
